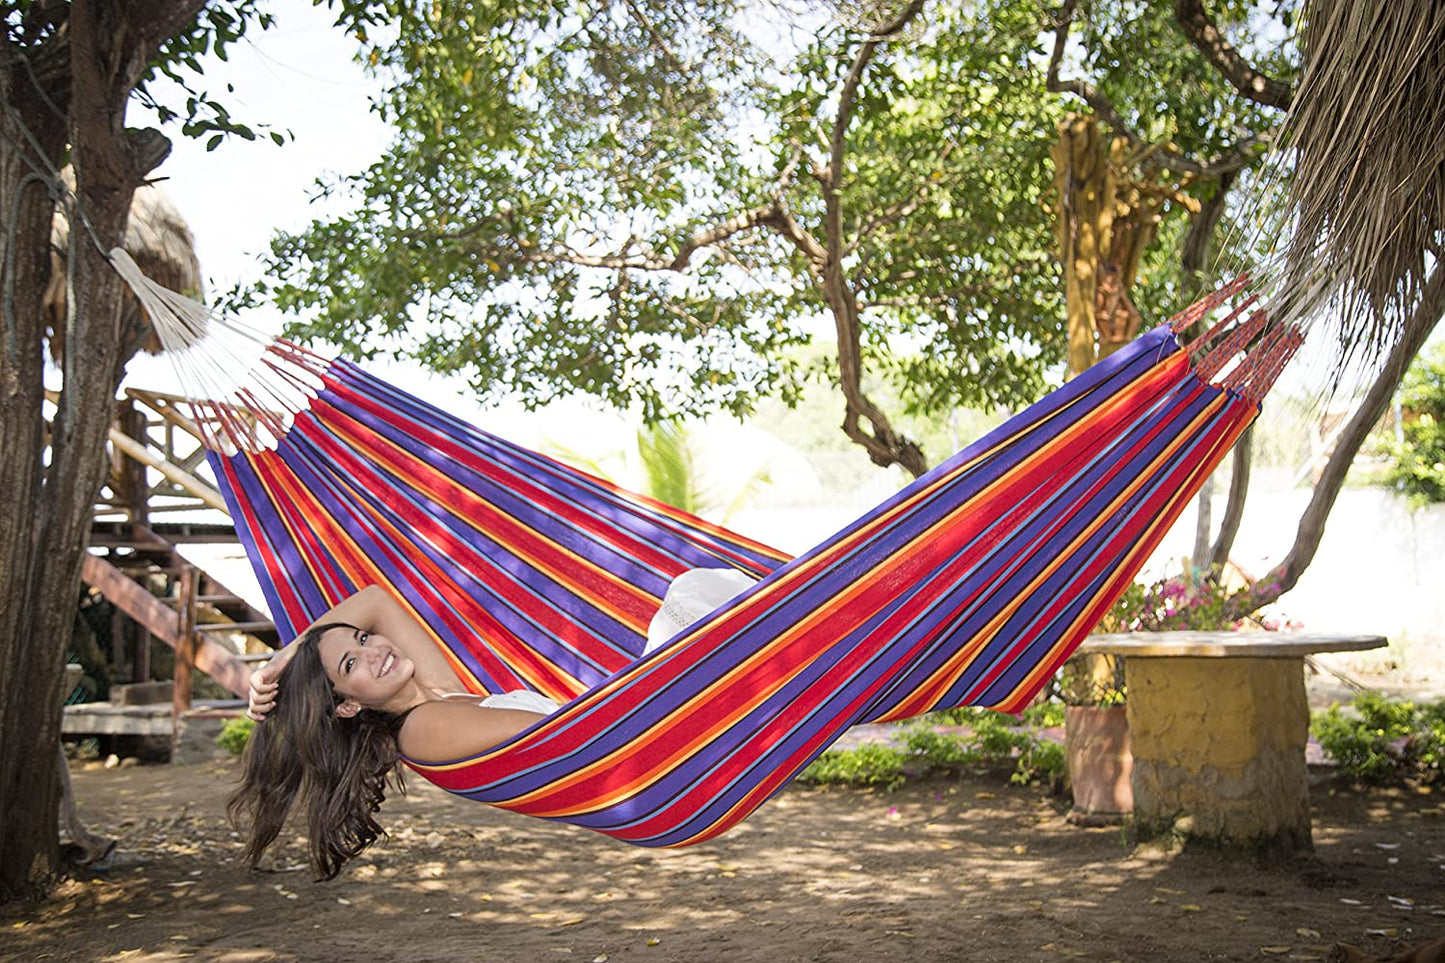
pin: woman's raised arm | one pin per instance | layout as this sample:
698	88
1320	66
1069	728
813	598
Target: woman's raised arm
376	611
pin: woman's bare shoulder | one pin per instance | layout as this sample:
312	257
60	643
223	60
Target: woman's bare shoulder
450	730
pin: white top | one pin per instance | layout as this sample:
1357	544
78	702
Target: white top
524	699
692	596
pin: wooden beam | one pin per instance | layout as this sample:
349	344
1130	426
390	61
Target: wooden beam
186	480
186	651
212	658
104	719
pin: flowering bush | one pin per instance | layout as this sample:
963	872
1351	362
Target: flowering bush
1185	601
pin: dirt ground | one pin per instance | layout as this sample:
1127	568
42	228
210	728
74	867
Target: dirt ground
966	868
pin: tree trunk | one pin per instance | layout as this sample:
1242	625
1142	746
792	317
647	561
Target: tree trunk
89	68
1234	507
31	663
1198	245
1085	191
1106	220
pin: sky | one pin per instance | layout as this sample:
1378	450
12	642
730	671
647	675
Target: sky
299	77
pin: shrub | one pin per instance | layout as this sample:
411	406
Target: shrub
235	734
871	764
1376	738
994	738
1418	471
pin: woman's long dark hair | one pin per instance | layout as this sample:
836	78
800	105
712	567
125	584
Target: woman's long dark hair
336	769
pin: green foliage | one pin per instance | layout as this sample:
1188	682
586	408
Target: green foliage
533	225
1048	714
1418	471
1377	738
235	734
640	200
993	738
872	764
172	88
172	82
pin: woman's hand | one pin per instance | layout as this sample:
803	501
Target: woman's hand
264	684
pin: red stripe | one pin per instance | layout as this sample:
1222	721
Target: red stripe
423	526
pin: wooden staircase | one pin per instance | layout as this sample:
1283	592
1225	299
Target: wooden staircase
146	509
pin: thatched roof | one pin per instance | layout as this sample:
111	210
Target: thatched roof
1366	138
156	236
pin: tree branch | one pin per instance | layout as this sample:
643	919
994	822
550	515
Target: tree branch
1233	159
770	214
156	21
1427	314
1200	28
883	444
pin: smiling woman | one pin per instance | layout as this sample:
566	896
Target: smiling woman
338	708
367	687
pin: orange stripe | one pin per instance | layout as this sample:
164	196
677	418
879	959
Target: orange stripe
948	674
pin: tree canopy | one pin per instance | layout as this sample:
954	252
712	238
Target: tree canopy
656	202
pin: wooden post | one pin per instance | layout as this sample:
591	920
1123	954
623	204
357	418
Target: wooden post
119	632
186	651
134	491
140	641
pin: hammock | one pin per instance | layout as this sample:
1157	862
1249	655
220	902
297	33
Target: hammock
969	587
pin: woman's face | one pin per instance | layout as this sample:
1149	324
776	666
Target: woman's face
364	667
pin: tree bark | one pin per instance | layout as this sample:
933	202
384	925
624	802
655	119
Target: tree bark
106	46
1259	87
1198	245
1085	191
31	666
884	444
1234	506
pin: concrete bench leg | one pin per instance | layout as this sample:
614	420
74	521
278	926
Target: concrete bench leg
1219	751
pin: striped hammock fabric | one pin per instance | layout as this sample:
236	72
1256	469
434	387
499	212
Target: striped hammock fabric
969	587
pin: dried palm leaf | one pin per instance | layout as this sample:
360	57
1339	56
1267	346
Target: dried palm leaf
1366	140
